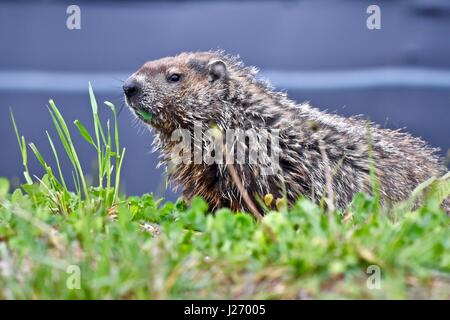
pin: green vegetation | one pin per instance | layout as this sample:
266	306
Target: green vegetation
144	248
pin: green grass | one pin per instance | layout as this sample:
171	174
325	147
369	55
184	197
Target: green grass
145	248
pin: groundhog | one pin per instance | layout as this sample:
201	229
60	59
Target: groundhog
320	155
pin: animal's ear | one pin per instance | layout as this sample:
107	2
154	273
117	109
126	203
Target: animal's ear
217	70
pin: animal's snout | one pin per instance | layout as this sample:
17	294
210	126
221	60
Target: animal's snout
131	87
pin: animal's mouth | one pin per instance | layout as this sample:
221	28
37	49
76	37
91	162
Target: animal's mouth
144	115
149	115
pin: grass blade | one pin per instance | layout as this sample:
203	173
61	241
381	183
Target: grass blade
84	133
23	150
66	139
61	176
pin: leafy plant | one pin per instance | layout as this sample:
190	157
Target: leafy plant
107	149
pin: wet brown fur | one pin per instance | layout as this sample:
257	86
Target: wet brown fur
241	100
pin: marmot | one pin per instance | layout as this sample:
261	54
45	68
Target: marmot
318	151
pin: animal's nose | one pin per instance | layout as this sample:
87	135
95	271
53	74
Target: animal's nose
130	87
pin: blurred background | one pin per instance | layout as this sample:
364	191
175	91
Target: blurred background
317	50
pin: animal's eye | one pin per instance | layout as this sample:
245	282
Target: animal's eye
174	77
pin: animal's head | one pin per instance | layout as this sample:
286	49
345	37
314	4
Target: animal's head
175	91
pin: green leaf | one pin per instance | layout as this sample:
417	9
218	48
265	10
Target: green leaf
27	176
38	155
24	151
52	145
93	100
62	137
439	189
4	187
64	134
97	124
116	126
111	105
84	133
144	115
17	196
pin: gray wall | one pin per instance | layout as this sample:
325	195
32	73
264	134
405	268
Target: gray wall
319	50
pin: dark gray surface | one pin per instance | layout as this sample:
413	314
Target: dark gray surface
283	36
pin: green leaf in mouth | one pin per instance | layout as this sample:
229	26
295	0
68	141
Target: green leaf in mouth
144	115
